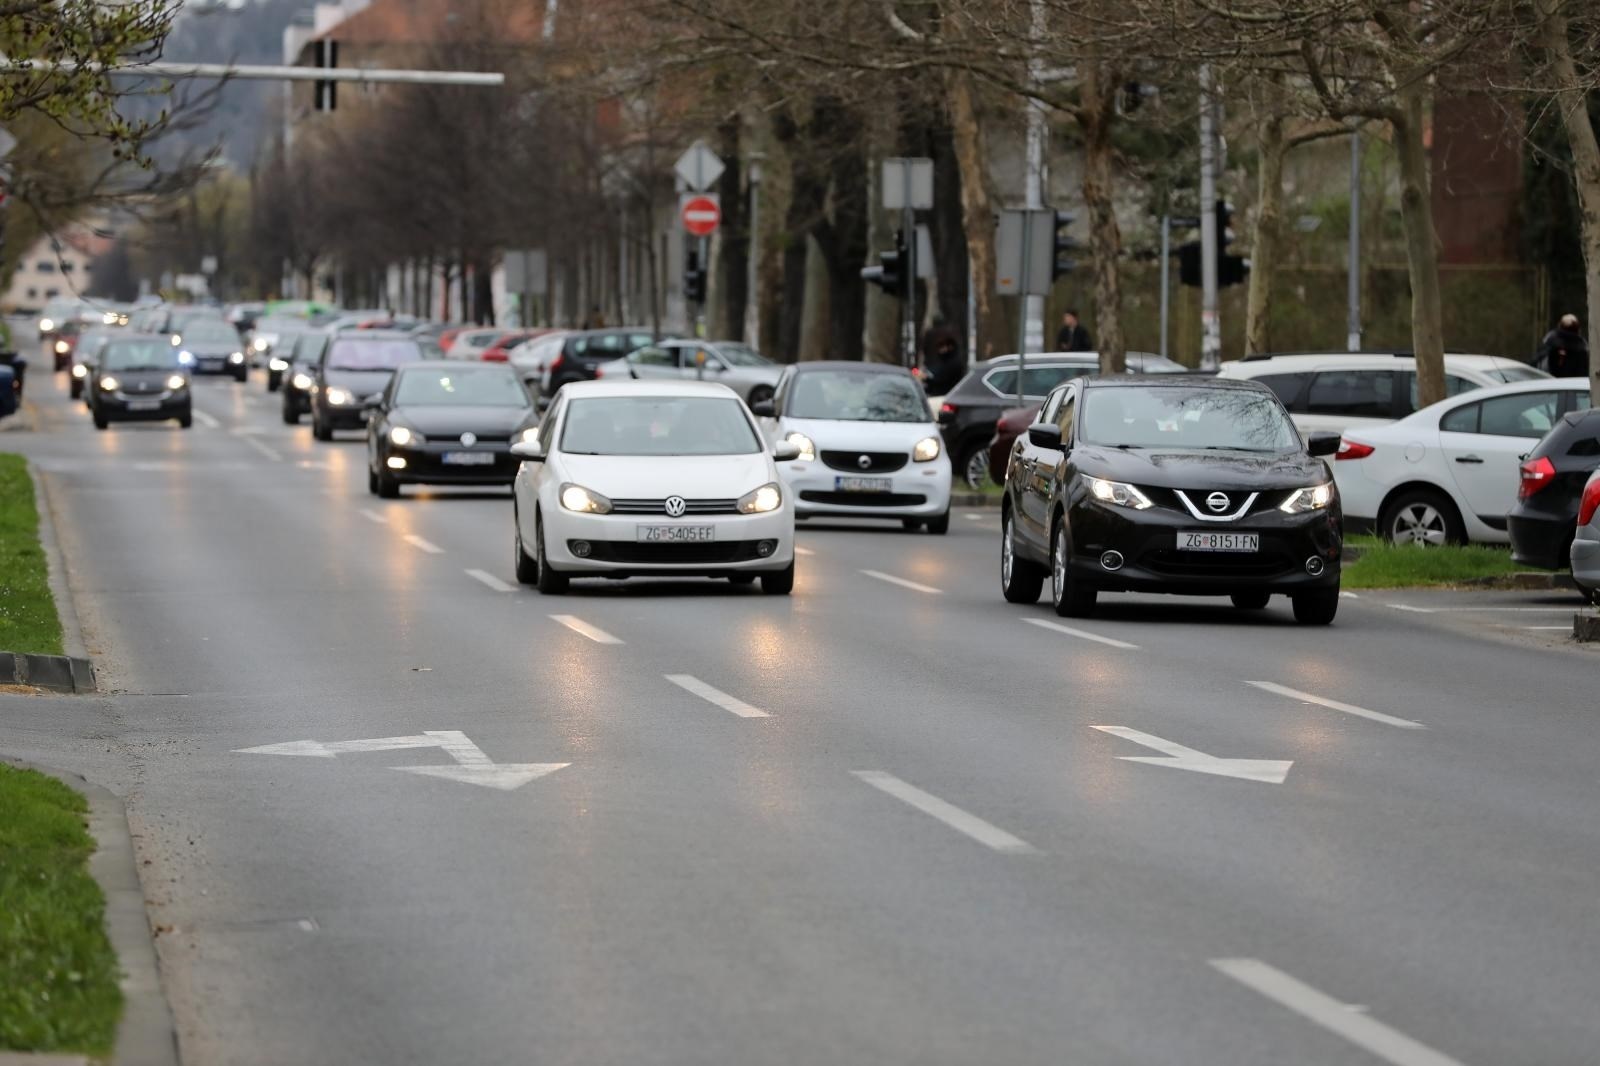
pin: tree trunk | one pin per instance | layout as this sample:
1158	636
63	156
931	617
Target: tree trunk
977	210
843	237
1422	252
1095	117
807	200
733	255
1571	99
1268	236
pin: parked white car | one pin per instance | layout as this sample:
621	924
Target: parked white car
1586	544
869	447
738	366
1448	473
652	478
1336	391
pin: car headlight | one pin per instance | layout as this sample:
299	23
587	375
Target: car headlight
260	344
760	501
109	318
577	498
337	396
529	436
177	381
926	451
109	383
276	365
62	347
1117	493
177	339
302	381
79	370
1312	498
808	449
236	357
46	325
186	358
402	436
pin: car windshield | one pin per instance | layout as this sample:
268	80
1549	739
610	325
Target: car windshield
740	355
658	425
488	387
372	354
139	355
857	396
1199	418
1516	373
1155	364
208	331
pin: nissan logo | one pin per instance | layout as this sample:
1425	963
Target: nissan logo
1218	502
469	439
676	505
864	462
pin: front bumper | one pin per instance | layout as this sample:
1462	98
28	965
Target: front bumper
425	464
615	550
1147	541
122	407
1540	540
342	416
916	490
205	364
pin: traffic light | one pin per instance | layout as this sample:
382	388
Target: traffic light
694	278
889	274
1062	263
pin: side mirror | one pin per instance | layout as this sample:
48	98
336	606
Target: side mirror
372	405
764	409
1322	443
1045	435
784	452
529	451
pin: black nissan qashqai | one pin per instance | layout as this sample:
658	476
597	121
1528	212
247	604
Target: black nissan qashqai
1194	486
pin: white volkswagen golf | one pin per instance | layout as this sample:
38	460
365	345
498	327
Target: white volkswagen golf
652	478
869	447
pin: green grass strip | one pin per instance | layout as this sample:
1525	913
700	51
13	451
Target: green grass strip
1393	566
28	618
58	973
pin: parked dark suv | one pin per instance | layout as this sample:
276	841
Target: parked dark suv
584	351
1545	517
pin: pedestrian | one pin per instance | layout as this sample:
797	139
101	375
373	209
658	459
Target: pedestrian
942	361
596	319
1563	352
1072	337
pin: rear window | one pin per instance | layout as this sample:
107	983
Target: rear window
353	354
1037	381
1287	387
1352	394
1516	373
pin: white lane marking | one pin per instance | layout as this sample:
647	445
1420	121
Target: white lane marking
1178	757
1335	705
803	551
209	421
1413	610
973	517
1080	633
1475	610
423	544
578	625
1356	1026
716	696
490	580
954	817
902	582
1561	628
270	453
1348	596
371	515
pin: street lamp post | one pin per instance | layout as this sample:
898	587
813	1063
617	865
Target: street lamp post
752	302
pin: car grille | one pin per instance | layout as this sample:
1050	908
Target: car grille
864	499
1177	563
878	462
660	506
717	551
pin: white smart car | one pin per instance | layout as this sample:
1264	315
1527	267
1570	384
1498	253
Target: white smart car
869	447
652	478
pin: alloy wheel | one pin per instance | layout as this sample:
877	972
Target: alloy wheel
1058	564
1007	558
977	471
1418	523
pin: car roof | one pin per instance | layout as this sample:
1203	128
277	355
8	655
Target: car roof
1363	360
374	335
1172	381
847	364
583	390
1054	357
455	366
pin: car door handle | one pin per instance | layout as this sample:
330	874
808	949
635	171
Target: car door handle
1468	459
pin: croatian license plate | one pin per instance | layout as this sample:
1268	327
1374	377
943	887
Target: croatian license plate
862	484
144	405
1191	541
467	458
675	534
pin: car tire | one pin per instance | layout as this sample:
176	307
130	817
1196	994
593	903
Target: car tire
291	417
186	420
241	376
742	579
910	525
550	582
100	421
1425	517
1251	601
939	526
972	466
320	431
759	393
274	381
1020	580
526	568
1315	608
779	582
75	390
1071	596
388	487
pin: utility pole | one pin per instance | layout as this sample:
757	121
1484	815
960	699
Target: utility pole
1031	335
1166	278
1210	320
1353	292
752	303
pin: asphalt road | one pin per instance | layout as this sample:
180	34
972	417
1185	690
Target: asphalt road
874	822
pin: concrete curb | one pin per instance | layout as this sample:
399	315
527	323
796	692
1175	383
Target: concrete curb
974	499
58	673
1526	581
146	1035
1586	628
56	564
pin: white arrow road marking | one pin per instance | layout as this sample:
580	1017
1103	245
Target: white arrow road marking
1354	1025
1178	757
1079	633
328	750
578	625
902	582
954	817
489	579
422	544
209	421
476	768
716	696
373	516
1335	705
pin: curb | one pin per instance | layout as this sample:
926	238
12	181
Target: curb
56	566
1586	628
1526	581
58	673
146	1035
974	499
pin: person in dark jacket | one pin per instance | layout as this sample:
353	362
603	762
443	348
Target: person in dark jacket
942	362
1563	352
1072	337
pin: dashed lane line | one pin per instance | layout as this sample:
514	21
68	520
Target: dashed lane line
270	452
902	582
369	514
716	697
209	421
484	577
971	825
1335	705
579	626
423	544
1081	634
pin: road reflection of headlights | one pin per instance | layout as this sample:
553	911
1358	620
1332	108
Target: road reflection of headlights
760	501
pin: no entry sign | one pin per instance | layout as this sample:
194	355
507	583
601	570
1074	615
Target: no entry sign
700	215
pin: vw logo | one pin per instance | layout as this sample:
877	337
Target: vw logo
1218	502
469	439
864	462
676	505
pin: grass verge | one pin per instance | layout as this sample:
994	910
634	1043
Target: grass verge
58	972
28	619
1393	566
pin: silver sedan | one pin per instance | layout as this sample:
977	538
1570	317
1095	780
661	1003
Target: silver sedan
741	368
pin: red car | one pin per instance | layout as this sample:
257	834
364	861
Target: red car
1011	425
500	350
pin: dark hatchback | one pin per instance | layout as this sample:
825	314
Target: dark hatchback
582	354
352	372
139	379
447	423
300	376
1545	517
1185	485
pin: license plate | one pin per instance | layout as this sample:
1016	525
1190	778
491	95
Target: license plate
467	458
862	484
675	534
144	405
1191	541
